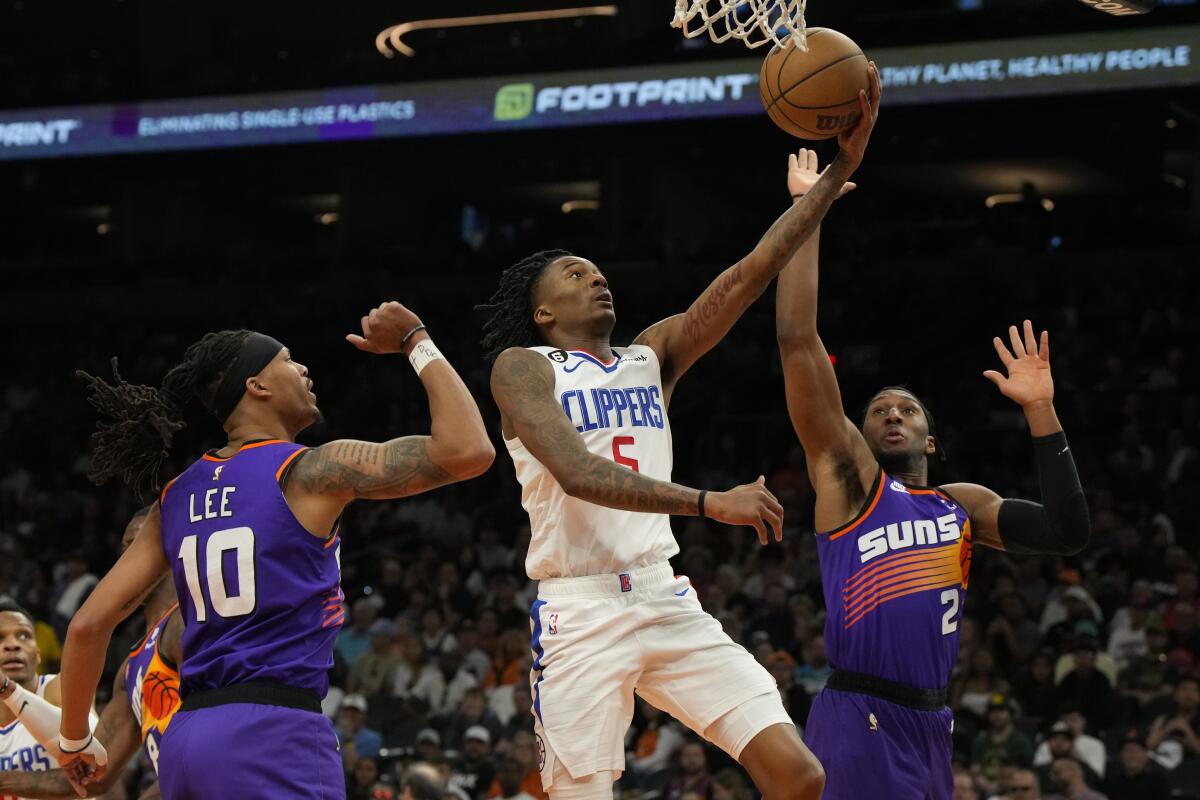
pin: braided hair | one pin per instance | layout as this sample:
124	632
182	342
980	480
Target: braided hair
144	420
511	323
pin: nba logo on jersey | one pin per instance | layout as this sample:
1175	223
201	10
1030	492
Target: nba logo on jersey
626	583
553	626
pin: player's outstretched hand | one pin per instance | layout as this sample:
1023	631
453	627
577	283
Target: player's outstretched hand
854	141
84	767
751	504
804	172
1029	381
384	328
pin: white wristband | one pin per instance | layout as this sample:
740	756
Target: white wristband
72	746
423	353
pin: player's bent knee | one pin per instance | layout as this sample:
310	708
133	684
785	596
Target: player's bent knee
598	786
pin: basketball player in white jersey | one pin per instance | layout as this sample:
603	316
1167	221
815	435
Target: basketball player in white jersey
586	425
36	698
124	726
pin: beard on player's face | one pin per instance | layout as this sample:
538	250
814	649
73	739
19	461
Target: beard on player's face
901	462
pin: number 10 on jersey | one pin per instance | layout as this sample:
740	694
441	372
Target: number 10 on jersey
241	542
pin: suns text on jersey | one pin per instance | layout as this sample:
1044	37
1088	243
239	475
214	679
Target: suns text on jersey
636	406
909	533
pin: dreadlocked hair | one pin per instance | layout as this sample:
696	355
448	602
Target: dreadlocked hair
144	420
511	323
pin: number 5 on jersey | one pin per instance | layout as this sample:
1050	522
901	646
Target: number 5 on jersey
241	542
619	457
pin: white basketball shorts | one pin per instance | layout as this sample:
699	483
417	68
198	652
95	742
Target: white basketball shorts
598	638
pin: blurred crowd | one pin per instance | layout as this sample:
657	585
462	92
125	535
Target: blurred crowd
1076	677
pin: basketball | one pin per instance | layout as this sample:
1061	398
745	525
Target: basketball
814	95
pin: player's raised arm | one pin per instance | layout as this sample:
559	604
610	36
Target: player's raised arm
118	593
1060	523
840	464
523	385
457	449
680	340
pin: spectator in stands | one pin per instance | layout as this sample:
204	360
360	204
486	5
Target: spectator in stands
691	776
816	669
1013	635
364	777
436	636
796	701
428	745
73	588
651	742
964	786
1036	691
1000	744
414	668
472	711
374	671
1146	680
443	687
972	691
508	777
511	650
730	784
1128	638
1020	784
1084	686
355	639
356	739
1134	776
522	716
474	770
524	750
1062	742
1179	725
474	658
1064	611
1066	774
422	781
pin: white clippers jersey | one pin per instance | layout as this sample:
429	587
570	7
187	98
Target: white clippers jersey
618	408
19	750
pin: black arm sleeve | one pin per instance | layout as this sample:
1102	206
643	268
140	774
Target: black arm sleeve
1061	524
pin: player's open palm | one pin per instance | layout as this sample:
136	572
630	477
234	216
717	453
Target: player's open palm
804	172
1028	381
750	504
384	329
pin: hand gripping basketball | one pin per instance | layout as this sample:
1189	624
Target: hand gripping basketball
854	141
750	504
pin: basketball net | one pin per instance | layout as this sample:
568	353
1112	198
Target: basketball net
753	22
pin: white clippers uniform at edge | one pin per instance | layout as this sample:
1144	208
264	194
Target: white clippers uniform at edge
619	409
21	752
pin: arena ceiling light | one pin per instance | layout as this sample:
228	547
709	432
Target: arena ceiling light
388	40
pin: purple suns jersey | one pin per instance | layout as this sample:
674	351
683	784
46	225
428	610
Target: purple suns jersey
260	596
894	581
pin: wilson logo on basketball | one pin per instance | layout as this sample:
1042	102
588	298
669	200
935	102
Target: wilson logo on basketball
836	122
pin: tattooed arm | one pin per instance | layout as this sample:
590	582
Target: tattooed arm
523	385
324	480
117	730
680	340
117	595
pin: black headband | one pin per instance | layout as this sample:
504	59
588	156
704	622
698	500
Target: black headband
254	356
